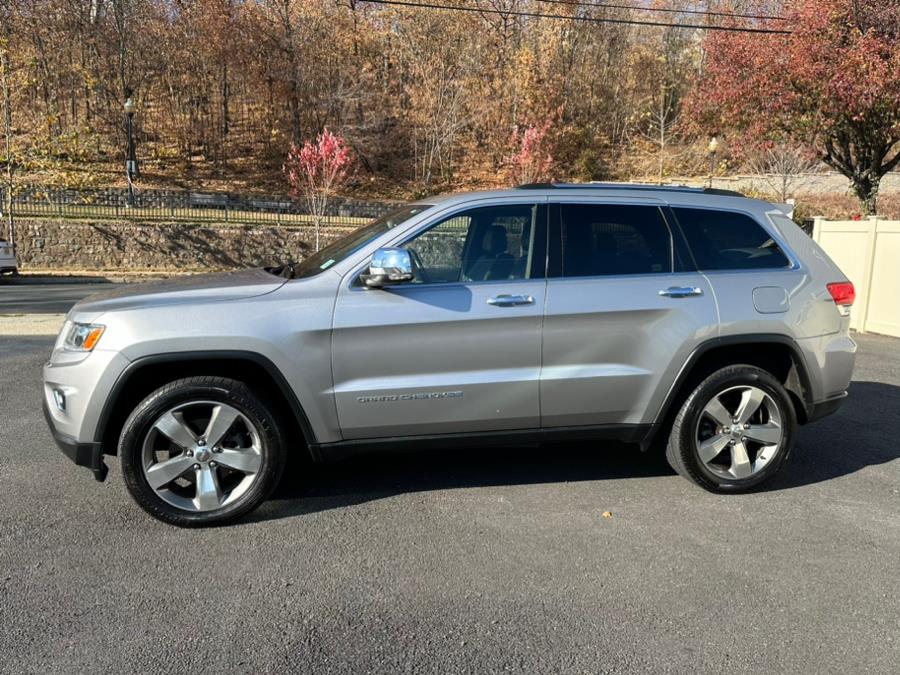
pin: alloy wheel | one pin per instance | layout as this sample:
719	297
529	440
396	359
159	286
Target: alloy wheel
201	455
739	432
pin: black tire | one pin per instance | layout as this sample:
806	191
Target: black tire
682	449
202	388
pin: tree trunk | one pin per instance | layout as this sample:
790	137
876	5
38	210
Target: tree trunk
662	132
225	92
866	189
7	126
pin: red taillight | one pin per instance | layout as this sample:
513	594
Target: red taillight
842	293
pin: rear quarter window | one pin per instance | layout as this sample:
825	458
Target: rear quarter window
727	240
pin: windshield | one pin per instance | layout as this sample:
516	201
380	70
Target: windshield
350	244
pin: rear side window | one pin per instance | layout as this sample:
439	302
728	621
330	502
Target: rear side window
610	239
725	240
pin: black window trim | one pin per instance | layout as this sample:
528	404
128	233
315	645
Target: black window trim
793	263
684	256
555	225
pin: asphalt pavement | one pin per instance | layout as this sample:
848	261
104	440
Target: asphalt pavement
464	561
55	298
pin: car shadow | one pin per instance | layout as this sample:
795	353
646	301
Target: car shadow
310	488
862	433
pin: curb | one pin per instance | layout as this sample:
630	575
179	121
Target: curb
30	324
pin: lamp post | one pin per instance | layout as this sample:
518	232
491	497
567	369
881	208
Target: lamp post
712	148
131	160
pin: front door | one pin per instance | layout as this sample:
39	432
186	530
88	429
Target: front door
623	314
459	348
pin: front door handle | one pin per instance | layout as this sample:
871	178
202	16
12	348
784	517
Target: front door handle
681	291
505	300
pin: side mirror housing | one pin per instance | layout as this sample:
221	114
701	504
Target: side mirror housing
389	266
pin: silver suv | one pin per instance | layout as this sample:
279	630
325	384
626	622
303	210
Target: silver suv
695	319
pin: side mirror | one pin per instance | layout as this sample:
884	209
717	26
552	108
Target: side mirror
389	266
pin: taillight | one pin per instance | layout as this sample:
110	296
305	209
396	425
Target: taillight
843	295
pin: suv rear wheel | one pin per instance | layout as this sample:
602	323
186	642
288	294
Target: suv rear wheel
734	431
201	451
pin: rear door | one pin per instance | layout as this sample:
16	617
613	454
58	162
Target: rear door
623	312
755	281
459	349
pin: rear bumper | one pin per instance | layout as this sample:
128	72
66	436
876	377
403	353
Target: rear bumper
89	455
826	407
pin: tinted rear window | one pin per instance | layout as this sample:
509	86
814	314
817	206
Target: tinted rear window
725	240
608	239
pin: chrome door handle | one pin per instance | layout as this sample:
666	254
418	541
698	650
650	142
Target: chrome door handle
681	291
505	300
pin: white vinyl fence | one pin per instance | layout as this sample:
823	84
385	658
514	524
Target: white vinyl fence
868	251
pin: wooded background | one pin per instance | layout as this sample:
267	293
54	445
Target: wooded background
429	99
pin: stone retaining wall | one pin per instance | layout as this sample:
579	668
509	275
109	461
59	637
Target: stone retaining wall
49	244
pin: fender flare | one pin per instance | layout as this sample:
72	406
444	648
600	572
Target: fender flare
208	355
799	365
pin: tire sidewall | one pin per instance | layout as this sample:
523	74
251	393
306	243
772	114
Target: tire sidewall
234	393
724	379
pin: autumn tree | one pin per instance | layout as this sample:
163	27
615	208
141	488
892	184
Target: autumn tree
532	157
833	84
427	98
435	76
316	171
664	65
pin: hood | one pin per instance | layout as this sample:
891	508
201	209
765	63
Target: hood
181	290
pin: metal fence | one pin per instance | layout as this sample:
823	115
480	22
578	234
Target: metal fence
180	206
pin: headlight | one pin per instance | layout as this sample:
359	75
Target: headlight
82	337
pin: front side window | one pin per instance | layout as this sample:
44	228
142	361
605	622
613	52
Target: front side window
492	243
726	240
610	239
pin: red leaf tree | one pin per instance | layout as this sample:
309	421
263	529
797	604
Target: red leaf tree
532	158
833	84
316	171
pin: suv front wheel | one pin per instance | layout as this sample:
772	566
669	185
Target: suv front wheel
201	451
734	431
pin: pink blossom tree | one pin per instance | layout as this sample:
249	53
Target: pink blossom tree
532	158
316	171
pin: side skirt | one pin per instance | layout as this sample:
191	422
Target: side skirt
637	434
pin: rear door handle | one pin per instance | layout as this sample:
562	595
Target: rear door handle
505	300
681	291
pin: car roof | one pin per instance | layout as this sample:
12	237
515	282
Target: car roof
681	195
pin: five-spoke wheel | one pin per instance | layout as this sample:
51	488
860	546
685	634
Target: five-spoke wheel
739	431
201	455
200	451
734	430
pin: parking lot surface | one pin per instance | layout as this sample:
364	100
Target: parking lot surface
475	560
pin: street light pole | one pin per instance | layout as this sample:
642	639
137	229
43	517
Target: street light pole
712	148
131	161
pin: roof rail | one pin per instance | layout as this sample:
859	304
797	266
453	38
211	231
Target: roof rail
629	186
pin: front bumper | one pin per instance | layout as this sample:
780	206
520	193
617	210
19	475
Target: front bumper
83	454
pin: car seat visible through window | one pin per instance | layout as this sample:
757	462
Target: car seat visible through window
494	261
